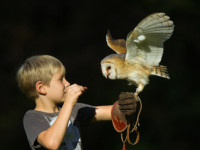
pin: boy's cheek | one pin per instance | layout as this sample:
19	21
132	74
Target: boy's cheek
63	98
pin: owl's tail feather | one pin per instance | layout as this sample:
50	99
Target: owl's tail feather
160	71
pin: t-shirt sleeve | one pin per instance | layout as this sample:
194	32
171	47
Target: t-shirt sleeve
84	113
34	124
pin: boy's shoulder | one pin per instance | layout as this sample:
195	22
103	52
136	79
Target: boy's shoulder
30	113
77	107
80	111
39	115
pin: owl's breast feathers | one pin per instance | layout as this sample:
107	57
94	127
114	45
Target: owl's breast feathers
137	73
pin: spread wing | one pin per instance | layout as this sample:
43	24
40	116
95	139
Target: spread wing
119	45
145	43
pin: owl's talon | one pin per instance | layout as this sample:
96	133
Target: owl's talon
136	96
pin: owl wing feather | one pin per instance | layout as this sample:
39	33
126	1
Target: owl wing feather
119	45
145	43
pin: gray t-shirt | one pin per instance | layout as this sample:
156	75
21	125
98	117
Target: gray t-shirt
36	122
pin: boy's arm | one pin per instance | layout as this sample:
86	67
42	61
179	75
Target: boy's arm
103	113
53	136
127	105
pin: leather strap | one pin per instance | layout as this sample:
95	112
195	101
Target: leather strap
120	124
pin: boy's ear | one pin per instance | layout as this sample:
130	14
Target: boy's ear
40	88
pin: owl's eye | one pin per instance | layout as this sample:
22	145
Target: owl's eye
108	67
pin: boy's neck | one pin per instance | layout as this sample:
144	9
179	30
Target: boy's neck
45	106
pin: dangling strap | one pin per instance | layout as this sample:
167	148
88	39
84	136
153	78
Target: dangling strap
124	147
128	138
124	141
135	128
120	124
137	120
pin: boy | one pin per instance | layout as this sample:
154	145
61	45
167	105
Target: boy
42	78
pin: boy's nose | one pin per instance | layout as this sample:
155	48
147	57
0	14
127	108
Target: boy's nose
66	82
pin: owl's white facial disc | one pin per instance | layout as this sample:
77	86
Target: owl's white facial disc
109	70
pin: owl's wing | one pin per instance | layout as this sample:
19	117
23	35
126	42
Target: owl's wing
119	45
145	43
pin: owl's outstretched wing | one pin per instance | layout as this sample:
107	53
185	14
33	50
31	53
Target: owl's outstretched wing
145	43
119	45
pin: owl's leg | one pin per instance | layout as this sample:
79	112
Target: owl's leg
139	89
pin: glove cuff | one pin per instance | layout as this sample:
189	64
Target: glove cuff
118	118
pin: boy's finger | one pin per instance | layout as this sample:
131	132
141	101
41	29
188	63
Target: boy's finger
73	86
77	88
76	85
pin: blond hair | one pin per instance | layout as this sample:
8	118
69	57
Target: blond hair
37	68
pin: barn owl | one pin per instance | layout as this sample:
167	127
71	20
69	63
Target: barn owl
139	55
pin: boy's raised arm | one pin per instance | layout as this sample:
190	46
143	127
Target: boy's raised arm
53	136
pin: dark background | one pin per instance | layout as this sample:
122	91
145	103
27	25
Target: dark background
74	32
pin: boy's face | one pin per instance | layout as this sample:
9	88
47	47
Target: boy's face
56	88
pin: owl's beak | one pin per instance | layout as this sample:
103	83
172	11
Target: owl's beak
107	75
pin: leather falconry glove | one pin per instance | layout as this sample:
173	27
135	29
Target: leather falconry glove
125	116
128	105
124	111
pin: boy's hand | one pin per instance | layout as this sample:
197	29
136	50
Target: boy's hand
73	92
127	103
